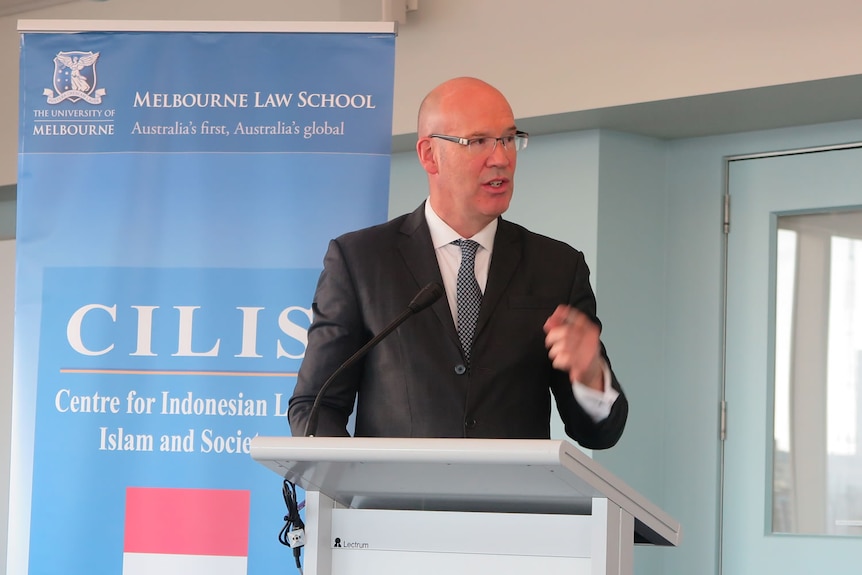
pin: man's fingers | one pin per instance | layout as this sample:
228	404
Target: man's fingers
572	340
558	318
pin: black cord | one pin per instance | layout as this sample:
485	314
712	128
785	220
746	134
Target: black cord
292	522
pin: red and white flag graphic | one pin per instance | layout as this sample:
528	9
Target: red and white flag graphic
186	531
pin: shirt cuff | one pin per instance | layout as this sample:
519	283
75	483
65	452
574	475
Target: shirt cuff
596	403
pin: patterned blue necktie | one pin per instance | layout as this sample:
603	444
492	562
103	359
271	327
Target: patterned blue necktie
468	295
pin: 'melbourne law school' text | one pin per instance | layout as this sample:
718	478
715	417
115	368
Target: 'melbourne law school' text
257	100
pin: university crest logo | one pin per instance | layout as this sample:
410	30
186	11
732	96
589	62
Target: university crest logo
75	78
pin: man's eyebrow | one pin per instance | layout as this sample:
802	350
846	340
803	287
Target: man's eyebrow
506	132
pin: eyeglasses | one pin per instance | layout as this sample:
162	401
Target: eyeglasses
486	145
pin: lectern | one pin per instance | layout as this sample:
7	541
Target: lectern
474	506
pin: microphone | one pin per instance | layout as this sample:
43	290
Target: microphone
423	299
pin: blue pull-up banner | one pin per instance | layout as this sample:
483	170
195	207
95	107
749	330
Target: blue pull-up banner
176	193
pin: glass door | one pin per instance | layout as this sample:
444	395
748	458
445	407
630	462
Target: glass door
792	500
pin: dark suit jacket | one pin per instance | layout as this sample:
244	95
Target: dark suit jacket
413	384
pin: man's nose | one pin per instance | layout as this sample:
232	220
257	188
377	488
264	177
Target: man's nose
499	155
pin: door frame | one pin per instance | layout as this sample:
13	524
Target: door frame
726	227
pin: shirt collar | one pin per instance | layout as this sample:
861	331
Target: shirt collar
442	234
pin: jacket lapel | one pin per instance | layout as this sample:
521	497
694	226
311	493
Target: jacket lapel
414	245
504	261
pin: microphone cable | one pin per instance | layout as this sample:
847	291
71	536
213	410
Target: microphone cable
293	533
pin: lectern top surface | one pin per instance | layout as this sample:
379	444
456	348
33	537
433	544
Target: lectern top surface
531	476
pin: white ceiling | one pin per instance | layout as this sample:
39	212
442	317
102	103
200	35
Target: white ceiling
9	7
771	107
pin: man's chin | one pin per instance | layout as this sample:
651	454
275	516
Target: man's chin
497	205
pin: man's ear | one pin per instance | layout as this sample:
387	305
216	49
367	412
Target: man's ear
425	151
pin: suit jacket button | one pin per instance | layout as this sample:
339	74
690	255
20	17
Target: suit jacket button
460	369
470	423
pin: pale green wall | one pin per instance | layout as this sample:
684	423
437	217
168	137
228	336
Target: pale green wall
630	290
631	295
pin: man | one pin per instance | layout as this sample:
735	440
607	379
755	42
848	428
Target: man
536	334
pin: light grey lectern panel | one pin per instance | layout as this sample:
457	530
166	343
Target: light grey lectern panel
392	505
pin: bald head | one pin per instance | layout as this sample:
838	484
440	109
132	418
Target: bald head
454	101
468	186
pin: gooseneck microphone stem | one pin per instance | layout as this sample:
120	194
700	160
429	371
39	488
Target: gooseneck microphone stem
426	296
311	425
